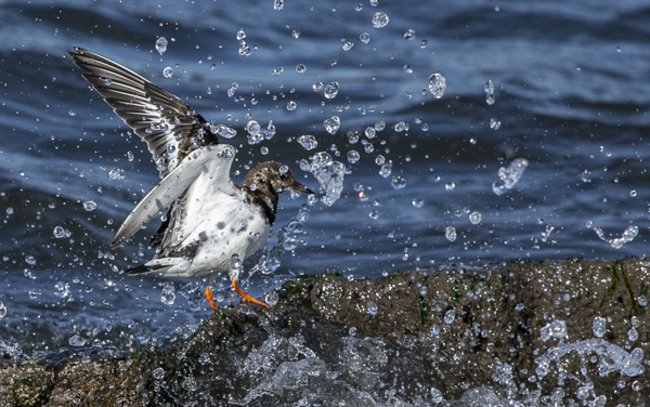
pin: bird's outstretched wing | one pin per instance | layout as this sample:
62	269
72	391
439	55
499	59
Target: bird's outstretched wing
171	129
215	160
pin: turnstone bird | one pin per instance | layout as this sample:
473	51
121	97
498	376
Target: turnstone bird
211	224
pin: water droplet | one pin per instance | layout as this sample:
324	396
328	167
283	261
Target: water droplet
61	289
555	329
225	131
370	133
291	106
450	316
495	124
508	177
168	294
490	99
374	215
300	68
380	125
329	173
409	34
358	7
372	308
308	142
72	113
161	45
437	85
10	211
332	124
295	34
450	233
642	300
347	46
434	330
353	156
331	90
632	334
60	232
168	72
364	37
3	310
488	87
475	218
436	396
76	341
317	87
254	132
633	193
418	203
398	182
401	126
271	298
380	20
90	205
158	373
386	169
241	34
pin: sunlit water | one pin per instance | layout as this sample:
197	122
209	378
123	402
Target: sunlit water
562	86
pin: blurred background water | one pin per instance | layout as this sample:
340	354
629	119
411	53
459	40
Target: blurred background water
571	93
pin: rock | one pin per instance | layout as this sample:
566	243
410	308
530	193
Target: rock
515	332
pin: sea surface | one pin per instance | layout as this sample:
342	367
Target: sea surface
571	93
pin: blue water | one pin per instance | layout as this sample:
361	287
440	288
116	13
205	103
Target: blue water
572	92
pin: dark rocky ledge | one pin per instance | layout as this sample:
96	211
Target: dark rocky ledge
490	344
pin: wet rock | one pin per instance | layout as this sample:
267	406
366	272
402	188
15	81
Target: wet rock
521	332
27	384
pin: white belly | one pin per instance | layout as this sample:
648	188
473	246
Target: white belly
220	225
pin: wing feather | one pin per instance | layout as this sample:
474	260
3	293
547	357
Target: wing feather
219	159
171	128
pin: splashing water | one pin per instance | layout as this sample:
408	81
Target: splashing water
450	233
556	329
331	89
437	85
508	177
329	174
161	45
308	142
90	206
255	135
332	124
628	235
611	358
225	131
380	20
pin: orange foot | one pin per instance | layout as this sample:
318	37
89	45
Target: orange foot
246	296
208	295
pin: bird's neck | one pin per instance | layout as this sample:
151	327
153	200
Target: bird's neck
266	199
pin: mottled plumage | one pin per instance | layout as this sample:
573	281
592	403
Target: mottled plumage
210	221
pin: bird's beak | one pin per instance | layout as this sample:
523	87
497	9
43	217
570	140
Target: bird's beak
297	186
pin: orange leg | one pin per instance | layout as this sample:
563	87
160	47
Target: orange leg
208	295
245	296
